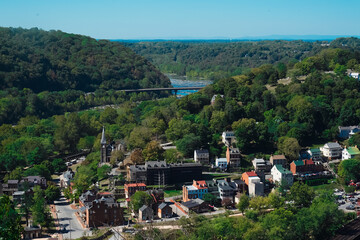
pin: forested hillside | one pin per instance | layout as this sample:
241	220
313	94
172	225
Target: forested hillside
216	60
56	61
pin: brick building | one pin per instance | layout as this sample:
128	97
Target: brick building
131	188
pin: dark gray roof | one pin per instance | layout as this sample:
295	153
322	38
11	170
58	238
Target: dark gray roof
143	208
162	205
225	187
202	151
13	181
193	203
333	145
239	182
156	164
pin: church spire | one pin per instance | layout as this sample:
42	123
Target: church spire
103	139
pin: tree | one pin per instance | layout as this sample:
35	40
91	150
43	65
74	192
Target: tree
52	193
210	198
178	129
277	224
289	146
10	221
259	203
153	152
349	170
355	139
301	194
109	115
139	199
139	137
58	165
102	172
117	156
243	203
136	156
188	144
39	210
15	174
171	155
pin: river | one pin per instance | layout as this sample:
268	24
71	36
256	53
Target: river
177	81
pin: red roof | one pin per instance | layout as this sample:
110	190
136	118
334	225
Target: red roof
251	174
201	184
105	193
135	185
308	162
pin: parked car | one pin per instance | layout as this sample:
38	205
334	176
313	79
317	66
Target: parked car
350	207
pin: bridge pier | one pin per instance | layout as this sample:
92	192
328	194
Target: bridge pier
175	91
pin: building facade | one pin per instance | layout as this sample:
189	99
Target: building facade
197	190
202	156
280	174
233	157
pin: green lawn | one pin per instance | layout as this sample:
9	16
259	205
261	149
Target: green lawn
215	176
328	186
172	193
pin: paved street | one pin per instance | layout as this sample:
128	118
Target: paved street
67	219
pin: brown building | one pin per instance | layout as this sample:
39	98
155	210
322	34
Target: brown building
131	188
104	212
196	205
233	157
278	160
161	173
304	166
164	211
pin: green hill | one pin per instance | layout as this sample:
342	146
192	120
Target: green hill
217	60
55	61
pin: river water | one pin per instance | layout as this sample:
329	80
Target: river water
177	81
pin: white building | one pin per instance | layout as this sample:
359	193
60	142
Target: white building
221	163
228	138
350	152
280	174
256	187
332	150
201	156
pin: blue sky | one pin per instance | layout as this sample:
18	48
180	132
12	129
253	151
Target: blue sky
168	19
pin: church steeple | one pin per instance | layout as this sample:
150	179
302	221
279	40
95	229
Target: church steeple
103	139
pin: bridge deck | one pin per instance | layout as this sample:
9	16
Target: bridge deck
161	89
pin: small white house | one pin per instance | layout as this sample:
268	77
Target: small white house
221	163
332	150
201	156
279	174
350	152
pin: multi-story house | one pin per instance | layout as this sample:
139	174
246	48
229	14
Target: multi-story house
197	190
332	150
233	157
280	174
202	156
